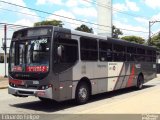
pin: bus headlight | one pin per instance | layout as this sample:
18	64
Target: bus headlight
43	87
12	84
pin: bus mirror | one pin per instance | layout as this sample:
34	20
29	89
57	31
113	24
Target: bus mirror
59	50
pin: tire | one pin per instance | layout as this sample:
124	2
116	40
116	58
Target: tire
45	99
82	93
140	82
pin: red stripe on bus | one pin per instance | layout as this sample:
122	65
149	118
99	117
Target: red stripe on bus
119	77
16	82
131	77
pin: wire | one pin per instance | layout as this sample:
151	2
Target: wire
3	29
20	12
155	34
65	21
66	17
12	27
13	24
50	13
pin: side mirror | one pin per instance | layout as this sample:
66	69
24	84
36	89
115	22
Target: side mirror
59	50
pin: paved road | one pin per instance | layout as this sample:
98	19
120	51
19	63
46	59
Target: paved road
122	101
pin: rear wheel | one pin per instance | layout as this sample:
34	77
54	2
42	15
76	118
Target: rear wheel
82	93
140	82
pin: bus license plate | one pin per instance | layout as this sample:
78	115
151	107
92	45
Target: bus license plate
35	82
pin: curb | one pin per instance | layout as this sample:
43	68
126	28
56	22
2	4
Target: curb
4	87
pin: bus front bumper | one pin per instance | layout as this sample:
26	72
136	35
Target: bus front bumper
20	92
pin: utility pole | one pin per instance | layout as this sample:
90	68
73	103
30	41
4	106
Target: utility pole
5	48
149	37
150	25
104	18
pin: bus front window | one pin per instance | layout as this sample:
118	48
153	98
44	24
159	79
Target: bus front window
38	52
30	55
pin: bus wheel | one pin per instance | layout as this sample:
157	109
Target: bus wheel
140	82
44	99
82	93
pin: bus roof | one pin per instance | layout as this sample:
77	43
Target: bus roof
127	43
113	40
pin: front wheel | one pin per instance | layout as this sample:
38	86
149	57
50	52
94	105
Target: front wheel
140	82
82	93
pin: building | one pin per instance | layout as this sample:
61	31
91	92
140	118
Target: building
2	65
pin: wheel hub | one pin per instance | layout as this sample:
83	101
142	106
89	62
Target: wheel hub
83	93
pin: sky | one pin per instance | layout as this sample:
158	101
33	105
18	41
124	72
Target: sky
131	16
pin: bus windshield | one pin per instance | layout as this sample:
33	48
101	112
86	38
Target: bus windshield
30	55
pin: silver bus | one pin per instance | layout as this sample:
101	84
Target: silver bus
61	64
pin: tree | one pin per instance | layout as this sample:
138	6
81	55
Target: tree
155	41
135	39
51	22
116	32
84	28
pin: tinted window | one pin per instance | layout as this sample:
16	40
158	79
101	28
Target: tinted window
89	49
69	53
119	48
70	50
140	51
140	55
148	57
149	52
131	50
119	52
105	51
131	53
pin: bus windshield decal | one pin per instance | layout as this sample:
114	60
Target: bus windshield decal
37	69
44	40
17	69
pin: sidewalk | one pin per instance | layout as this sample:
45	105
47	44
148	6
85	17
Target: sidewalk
3	83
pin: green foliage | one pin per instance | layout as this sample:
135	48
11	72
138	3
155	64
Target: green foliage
116	32
155	41
52	22
135	39
84	28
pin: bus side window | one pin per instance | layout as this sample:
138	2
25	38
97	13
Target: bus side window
69	54
70	50
140	55
89	49
105	51
149	55
119	52
131	51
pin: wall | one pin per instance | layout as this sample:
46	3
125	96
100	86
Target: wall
2	69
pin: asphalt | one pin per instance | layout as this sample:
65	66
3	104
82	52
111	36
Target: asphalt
125	102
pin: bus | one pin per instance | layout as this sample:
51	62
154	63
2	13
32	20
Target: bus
55	63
